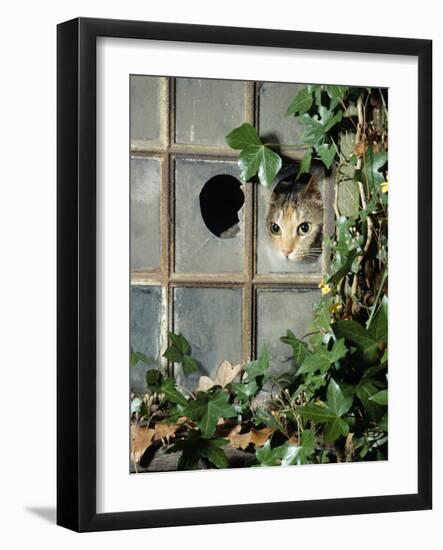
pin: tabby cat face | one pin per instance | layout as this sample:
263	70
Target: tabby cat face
295	221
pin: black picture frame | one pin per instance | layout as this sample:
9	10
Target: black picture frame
76	281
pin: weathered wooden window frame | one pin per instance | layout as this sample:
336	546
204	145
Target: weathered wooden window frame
250	281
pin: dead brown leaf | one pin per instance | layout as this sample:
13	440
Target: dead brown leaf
360	148
259	437
141	439
256	437
165	431
238	440
224	375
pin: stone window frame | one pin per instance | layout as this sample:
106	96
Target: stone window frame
166	150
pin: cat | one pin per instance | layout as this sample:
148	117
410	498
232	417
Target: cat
294	219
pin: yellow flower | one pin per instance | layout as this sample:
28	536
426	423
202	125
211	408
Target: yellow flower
384	187
325	288
335	308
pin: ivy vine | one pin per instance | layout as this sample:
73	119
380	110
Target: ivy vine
333	406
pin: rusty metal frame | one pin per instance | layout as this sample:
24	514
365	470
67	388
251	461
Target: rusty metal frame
249	281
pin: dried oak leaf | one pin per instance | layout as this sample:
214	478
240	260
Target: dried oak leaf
242	441
361	148
165	431
224	375
238	440
141	439
259	437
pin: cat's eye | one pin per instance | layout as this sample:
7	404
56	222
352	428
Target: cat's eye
304	228
275	228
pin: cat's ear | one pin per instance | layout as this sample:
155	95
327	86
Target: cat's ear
312	190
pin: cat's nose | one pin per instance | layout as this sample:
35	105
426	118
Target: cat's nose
286	252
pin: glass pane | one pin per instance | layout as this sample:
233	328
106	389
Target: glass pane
207	110
210	319
270	256
146	110
197	248
275	126
278	311
145	213
145	330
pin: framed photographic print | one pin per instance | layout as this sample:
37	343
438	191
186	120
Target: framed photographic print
244	274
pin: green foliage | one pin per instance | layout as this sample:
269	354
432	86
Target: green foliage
287	454
262	416
257	370
331	413
318	126
321	358
194	448
356	334
179	351
255	157
166	386
327	154
299	348
373	164
305	164
207	408
301	103
381	397
137	357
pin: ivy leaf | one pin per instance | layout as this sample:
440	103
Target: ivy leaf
258	368
330	414
189	365
381	397
263	416
244	392
305	164
172	394
299	454
301	103
335	429
267	456
345	268
365	390
262	160
179	352
317	413
153	379
344	238
337	402
299	348
372	164
336	93
318	125
137	357
338	351
207	409
321	358
215	454
180	342
361	338
327	154
255	157
307	440
371	372
287	454
379	325
383	423
194	447
242	137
